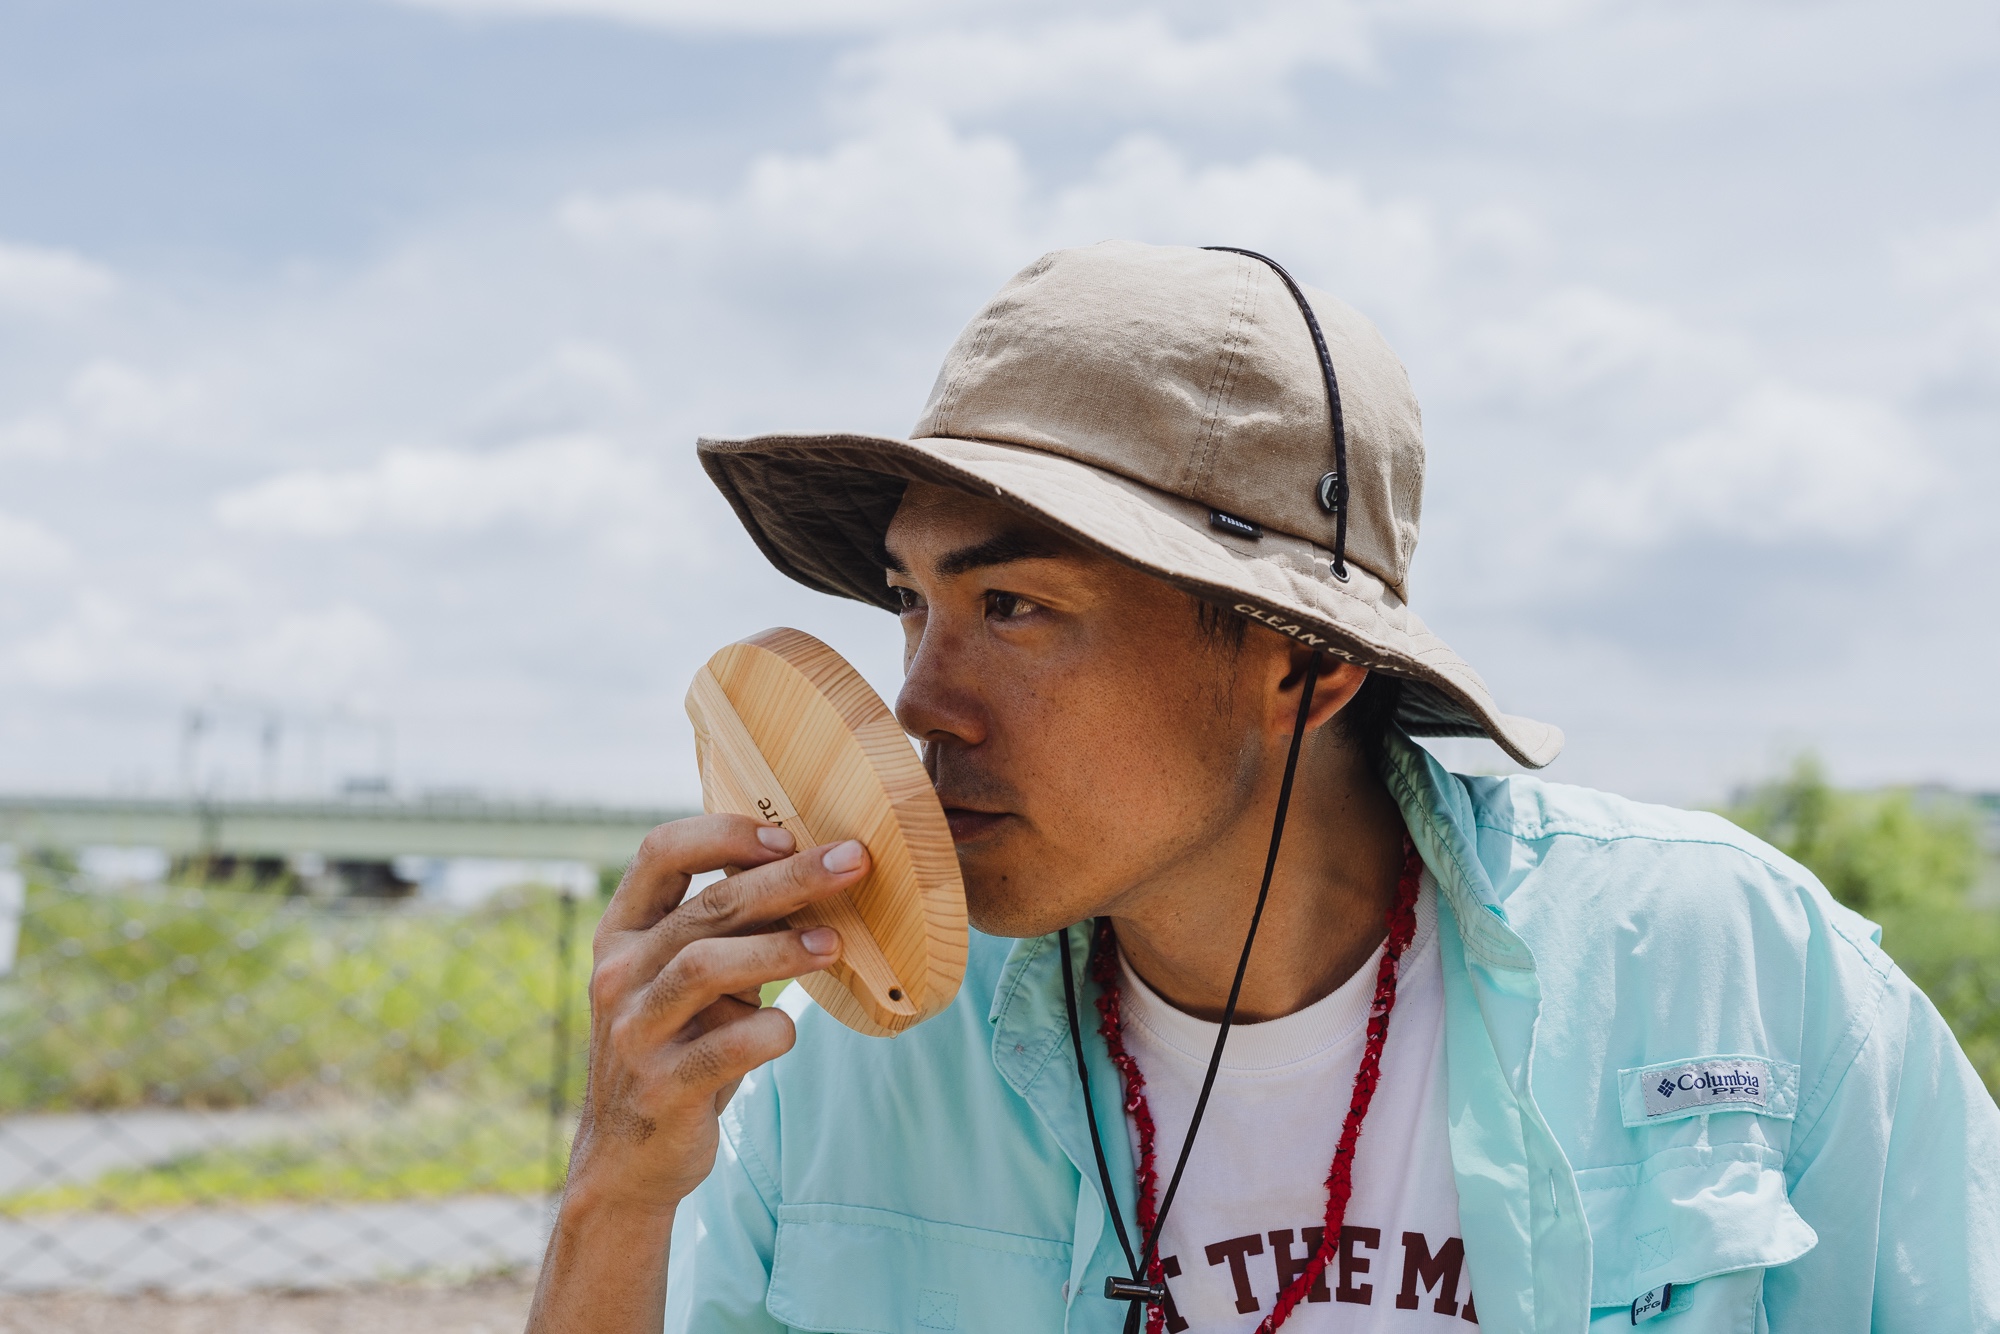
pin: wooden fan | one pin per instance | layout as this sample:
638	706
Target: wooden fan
788	732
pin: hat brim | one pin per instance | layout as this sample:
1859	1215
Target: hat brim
819	505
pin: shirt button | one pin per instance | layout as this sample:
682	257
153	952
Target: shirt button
1065	1289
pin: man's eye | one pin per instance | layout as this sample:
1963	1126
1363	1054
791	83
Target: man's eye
907	599
1006	606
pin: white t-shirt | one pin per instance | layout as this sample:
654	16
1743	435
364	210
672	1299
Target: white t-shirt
1251	1205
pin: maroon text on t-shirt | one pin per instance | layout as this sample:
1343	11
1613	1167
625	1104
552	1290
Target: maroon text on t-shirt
1431	1276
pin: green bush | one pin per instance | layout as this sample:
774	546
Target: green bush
1908	866
206	998
1875	851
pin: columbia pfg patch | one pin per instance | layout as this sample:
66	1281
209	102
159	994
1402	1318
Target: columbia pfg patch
1705	1084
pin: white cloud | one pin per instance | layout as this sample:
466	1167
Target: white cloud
921	192
104	640
1500	16
915	189
30	551
35	435
1577	339
316	655
565	484
1286	19
1951	273
1324	226
42	281
752	16
101	640
1785	464
1955	257
107	401
1663	62
1131	64
111	398
635	217
1556	285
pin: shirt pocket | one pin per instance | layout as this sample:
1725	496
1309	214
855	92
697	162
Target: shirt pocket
1689	1216
845	1269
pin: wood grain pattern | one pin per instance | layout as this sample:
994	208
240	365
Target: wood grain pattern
787	731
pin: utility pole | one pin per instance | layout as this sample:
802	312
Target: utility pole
194	724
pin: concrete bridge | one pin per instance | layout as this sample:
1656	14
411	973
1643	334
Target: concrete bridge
370	829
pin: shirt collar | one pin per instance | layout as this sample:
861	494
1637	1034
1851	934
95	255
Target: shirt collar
1437	810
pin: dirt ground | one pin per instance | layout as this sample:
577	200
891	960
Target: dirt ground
488	1306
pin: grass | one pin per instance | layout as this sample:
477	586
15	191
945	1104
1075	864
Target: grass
224	999
431	1149
416	1047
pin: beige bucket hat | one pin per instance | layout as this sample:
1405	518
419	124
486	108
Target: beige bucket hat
1173	408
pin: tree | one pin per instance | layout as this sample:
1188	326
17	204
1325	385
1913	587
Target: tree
1907	865
1877	852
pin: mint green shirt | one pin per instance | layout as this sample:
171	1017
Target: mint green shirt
1612	970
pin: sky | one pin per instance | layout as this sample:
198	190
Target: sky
352	352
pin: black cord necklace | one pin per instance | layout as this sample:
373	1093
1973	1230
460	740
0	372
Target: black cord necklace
1137	1290
1332	492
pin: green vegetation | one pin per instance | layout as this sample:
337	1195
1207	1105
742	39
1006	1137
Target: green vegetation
206	998
430	1149
1910	866
418	1047
414	1048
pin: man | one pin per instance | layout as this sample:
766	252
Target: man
1494	1052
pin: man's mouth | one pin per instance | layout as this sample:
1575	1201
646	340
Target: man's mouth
969	825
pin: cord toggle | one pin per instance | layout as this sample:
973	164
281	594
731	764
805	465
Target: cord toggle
1132	1290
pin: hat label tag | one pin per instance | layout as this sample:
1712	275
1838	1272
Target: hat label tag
1224	522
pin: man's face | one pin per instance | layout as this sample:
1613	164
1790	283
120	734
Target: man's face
1084	734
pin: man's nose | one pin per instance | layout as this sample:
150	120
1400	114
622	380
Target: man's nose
940	700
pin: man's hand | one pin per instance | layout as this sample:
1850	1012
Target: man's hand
674	1026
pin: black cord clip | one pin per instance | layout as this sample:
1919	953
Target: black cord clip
1132	1290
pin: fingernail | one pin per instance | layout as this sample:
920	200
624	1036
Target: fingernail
844	857
821	940
775	838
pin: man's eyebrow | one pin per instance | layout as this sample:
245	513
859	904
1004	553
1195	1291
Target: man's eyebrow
998	550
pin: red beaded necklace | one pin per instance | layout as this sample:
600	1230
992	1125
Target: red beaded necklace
1402	924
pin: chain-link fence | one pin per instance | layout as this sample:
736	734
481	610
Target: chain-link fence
211	1088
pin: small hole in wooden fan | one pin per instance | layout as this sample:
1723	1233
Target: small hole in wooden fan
895	993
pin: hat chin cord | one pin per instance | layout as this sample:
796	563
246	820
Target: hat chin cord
1332	488
1136	1289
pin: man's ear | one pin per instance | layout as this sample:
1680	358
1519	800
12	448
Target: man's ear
1338	683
